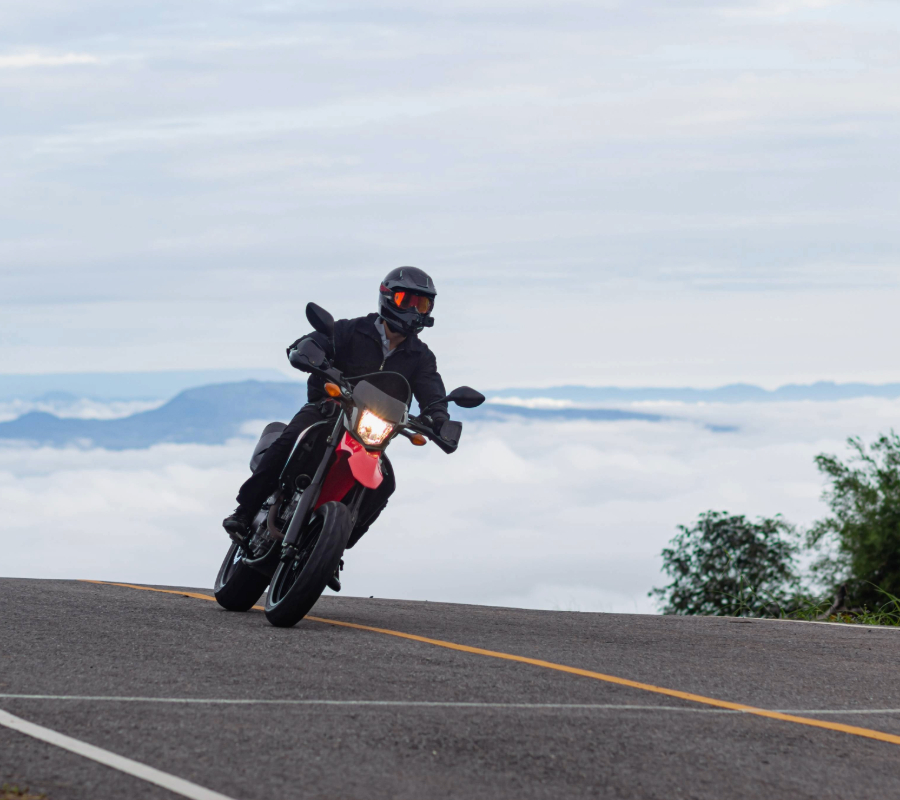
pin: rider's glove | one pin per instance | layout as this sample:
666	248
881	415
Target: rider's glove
438	418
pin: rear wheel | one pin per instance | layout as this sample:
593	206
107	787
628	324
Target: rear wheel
298	584
237	586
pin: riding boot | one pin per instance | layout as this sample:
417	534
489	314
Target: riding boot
238	525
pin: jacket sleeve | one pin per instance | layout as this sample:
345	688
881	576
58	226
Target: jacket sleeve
428	386
315	384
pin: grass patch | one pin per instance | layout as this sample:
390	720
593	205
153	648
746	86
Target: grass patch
10	792
886	615
862	617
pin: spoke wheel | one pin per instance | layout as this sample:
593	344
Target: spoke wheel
298	584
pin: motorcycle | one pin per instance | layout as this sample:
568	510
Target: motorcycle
298	538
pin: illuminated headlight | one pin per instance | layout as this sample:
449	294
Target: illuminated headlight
372	429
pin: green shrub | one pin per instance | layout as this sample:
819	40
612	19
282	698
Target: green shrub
861	540
729	566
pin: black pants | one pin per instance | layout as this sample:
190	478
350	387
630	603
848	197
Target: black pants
262	483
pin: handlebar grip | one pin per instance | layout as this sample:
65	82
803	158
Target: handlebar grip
299	360
448	444
450	432
447	447
307	356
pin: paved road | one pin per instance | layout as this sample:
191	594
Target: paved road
419	721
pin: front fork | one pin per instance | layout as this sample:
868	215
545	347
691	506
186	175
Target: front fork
312	492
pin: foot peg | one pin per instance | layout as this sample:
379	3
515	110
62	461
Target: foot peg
240	541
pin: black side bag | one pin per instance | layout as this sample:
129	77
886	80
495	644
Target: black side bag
270	433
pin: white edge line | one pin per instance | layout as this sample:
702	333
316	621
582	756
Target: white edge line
108	759
855	625
427	704
376	703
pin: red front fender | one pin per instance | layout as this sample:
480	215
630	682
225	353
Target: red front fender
352	464
364	464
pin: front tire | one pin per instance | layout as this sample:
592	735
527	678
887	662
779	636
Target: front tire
298	584
237	586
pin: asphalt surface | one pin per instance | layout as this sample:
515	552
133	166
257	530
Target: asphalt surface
419	721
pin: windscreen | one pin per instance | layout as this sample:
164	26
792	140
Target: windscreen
390	409
392	384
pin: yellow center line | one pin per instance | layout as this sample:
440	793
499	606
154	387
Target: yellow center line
868	733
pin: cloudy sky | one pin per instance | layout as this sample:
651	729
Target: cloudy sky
643	192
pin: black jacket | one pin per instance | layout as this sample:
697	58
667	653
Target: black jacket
357	350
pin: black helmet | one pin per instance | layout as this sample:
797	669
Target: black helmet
406	299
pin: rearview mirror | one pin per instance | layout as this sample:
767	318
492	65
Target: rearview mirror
465	397
320	319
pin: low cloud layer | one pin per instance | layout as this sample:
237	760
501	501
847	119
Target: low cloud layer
564	515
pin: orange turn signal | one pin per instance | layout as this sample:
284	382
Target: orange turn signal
332	390
418	440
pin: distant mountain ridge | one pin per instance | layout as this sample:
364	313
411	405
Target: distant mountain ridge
821	391
214	414
124	385
205	415
111	386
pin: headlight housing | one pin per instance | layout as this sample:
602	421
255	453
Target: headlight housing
372	429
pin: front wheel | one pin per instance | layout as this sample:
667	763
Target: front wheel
298	584
237	586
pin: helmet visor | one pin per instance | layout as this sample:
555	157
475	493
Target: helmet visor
420	302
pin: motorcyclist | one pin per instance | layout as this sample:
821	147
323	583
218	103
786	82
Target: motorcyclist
388	339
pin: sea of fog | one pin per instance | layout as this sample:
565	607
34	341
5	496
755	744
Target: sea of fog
562	515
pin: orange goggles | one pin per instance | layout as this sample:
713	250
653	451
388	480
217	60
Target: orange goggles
420	302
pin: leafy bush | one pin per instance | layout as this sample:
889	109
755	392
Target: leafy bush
729	566
862	537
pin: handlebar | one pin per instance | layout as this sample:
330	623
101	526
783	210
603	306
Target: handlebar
303	358
447	445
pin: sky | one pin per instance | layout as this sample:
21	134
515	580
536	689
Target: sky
688	192
641	193
564	515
